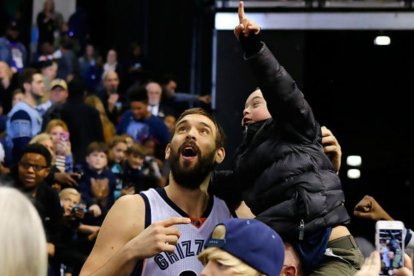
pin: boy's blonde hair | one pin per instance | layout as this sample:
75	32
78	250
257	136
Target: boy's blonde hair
68	191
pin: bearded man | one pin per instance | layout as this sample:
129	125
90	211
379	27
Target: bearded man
161	231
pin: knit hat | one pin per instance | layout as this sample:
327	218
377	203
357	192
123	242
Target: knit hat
253	242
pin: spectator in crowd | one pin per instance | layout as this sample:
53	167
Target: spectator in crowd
155	105
141	171
107	126
242	247
90	68
128	139
140	123
22	238
77	237
24	120
111	97
97	184
79	26
112	64
58	96
57	177
83	121
48	22
12	51
137	66
29	177
195	149
179	101
59	133
67	60
8	84
48	69
116	157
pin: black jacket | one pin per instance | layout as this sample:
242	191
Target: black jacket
286	178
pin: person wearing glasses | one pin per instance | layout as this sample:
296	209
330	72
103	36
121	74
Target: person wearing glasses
28	176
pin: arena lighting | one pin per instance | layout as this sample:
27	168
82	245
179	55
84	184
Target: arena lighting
354	160
354	173
382	40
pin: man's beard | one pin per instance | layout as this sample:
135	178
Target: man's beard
192	178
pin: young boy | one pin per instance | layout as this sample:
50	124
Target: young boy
74	250
97	184
285	177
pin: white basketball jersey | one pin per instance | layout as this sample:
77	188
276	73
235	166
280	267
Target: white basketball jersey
184	260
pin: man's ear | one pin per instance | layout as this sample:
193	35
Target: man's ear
220	154
167	151
288	270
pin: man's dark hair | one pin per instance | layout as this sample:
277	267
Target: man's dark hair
220	137
138	94
27	76
76	88
39	149
97	147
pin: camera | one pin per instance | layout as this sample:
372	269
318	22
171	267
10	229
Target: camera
79	207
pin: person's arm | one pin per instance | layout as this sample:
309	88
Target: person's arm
122	239
369	208
284	99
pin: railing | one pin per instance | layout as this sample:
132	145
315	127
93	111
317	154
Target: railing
319	4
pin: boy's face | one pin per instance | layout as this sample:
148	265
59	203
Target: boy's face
135	161
139	109
255	109
33	170
117	153
97	160
68	202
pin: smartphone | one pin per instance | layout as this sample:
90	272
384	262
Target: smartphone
64	136
389	240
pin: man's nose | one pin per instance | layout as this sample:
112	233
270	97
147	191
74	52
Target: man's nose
192	132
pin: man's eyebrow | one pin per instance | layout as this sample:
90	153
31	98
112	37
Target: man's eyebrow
181	122
206	125
201	123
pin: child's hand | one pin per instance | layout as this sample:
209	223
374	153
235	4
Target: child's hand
95	210
246	26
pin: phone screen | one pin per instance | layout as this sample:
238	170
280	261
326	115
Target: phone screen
390	249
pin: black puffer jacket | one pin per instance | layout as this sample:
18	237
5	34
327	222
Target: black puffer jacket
286	178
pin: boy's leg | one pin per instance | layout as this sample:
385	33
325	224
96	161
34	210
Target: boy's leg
342	257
